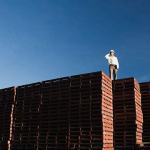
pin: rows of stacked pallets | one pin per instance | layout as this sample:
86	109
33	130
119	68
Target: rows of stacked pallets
75	113
66	113
7	100
128	117
75	108
145	92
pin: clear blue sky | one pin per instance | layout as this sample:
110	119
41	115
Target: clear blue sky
46	39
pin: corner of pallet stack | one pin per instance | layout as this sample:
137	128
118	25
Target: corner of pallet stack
107	112
105	75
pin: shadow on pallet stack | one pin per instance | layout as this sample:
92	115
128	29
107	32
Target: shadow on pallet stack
7	99
145	91
26	117
128	117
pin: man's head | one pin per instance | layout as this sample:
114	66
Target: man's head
112	52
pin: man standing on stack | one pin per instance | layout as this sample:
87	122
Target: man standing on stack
113	64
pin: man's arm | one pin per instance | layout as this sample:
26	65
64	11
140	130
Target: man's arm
107	56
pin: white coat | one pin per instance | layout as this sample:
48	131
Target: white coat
112	60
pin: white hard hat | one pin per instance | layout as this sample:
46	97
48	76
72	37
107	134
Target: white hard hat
112	51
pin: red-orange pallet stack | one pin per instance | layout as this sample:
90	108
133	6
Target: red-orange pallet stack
63	114
145	91
79	112
96	112
128	117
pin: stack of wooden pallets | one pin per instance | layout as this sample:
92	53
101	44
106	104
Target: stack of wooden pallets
91	112
81	112
128	117
67	113
145	91
101	113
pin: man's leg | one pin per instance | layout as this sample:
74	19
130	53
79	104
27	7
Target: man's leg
115	74
111	72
